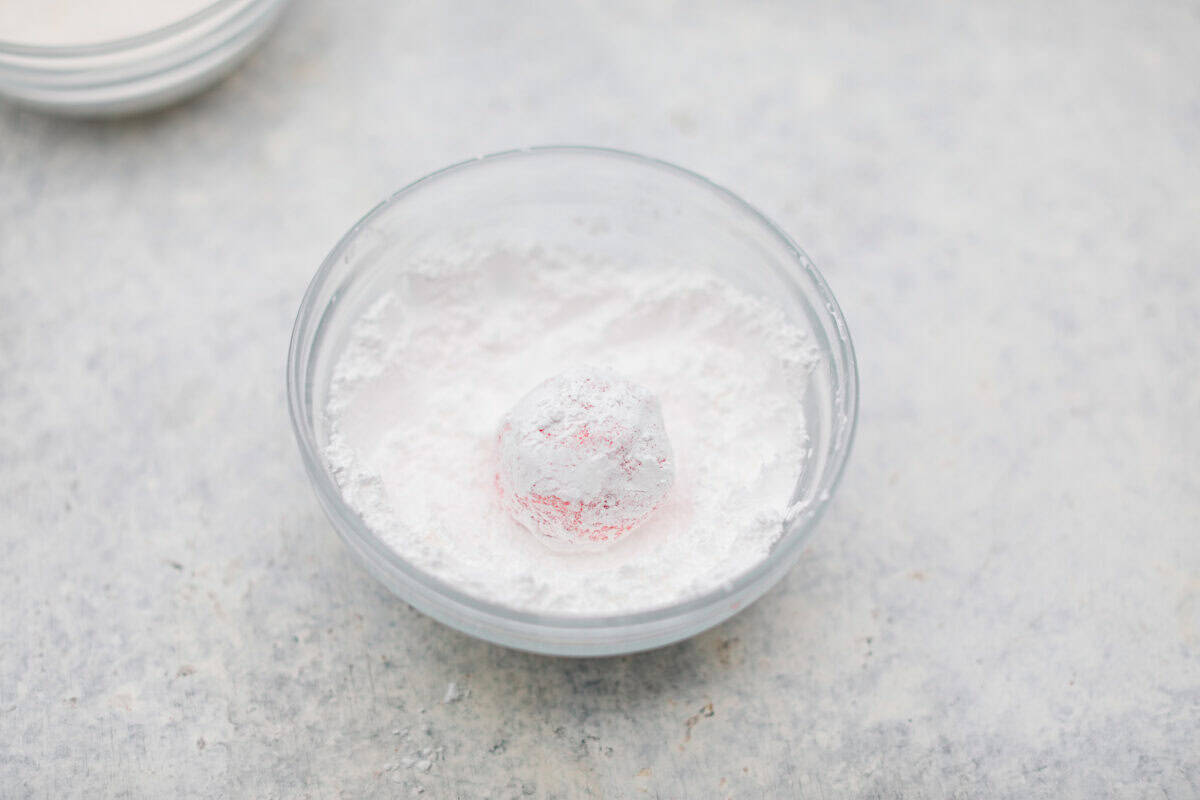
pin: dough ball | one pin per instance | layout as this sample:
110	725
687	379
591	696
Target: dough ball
584	458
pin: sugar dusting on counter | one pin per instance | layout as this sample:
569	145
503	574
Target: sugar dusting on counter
433	366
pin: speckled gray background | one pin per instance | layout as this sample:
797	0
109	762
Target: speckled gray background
1003	601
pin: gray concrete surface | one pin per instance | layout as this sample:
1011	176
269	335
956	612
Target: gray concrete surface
1004	600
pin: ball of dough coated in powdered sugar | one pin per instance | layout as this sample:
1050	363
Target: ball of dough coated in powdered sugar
584	458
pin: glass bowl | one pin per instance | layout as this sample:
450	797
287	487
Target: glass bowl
648	210
137	73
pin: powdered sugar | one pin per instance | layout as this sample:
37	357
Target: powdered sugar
433	366
74	22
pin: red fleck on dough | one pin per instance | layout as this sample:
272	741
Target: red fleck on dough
584	458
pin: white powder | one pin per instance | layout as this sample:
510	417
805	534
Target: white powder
79	22
434	365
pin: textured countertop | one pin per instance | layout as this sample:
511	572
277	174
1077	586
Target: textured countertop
1003	600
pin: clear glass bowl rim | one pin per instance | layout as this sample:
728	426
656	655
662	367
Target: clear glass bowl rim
123	43
310	317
